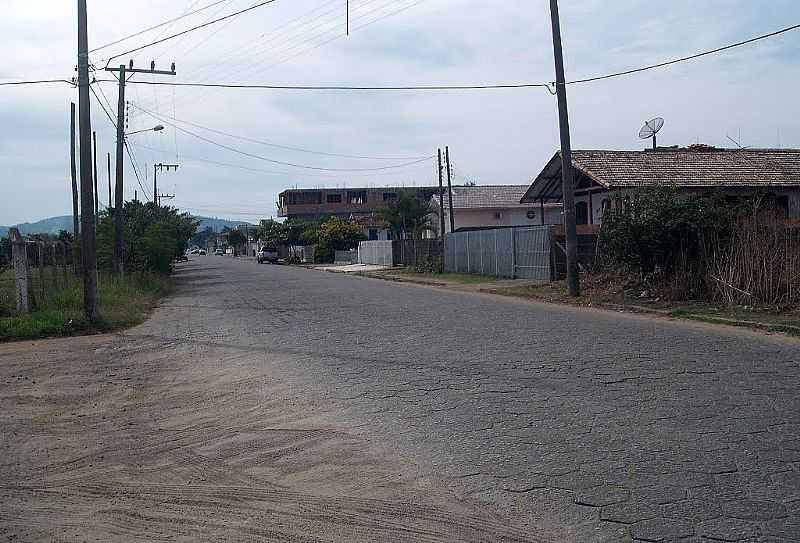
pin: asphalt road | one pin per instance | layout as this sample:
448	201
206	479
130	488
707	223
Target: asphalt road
558	423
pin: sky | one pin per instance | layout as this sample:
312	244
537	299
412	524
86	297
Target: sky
504	136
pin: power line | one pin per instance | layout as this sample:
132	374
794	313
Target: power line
190	159
294	165
276	145
472	87
165	23
36	82
198	27
684	59
338	87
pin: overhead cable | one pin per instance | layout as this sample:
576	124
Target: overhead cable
294	165
277	145
165	23
188	30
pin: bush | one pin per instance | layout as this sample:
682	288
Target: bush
704	247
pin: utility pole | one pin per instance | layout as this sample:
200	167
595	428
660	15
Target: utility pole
156	168
441	198
567	173
73	167
441	213
88	250
119	203
75	214
450	189
96	192
109	181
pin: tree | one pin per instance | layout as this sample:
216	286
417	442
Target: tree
272	233
408	214
154	236
336	234
236	239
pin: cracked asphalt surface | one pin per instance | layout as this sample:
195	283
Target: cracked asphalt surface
515	420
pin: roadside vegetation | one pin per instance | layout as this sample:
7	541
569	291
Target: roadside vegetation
706	258
154	237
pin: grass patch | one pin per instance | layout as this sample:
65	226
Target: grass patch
462	278
611	291
122	304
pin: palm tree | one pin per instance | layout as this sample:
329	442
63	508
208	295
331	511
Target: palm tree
408	214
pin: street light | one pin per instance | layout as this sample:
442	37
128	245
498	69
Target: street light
156	128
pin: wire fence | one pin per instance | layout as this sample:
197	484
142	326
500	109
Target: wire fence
34	272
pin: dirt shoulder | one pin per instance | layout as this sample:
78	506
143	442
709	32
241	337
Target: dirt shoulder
136	438
599	292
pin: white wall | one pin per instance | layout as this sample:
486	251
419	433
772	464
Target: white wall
518	216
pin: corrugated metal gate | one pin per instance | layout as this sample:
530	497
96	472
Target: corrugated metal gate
502	252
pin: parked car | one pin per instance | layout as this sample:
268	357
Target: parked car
268	254
182	258
219	252
202	252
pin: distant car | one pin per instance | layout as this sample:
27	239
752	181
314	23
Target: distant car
219	252
268	254
202	252
182	258
194	251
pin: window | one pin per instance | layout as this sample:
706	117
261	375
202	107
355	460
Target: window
334	198
356	196
388	196
373	234
304	198
605	206
498	215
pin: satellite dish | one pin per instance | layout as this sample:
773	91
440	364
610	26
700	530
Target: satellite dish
650	129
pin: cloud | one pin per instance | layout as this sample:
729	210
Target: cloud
494	136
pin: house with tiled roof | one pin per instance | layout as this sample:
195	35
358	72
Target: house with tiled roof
492	206
604	178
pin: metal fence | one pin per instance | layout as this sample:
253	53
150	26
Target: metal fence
501	252
375	252
417	253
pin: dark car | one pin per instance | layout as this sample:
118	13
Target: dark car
268	254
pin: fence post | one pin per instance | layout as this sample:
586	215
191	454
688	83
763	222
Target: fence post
63	262
40	247
20	258
496	256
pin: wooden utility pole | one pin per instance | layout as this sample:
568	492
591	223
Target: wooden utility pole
567	173
88	250
119	203
450	189
73	168
96	192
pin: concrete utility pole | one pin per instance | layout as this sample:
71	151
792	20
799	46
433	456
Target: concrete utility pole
441	198
156	168
109	181
73	167
96	191
567	173
88	250
119	201
450	189
118	257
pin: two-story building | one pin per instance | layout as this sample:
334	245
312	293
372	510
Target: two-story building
360	205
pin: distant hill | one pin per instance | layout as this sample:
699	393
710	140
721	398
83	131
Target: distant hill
54	225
